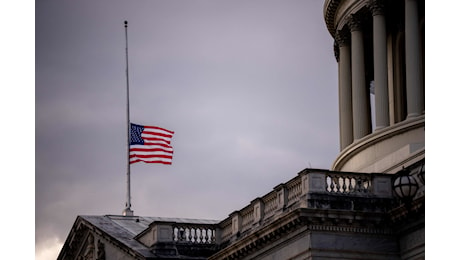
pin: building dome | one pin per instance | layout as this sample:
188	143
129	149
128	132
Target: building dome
379	46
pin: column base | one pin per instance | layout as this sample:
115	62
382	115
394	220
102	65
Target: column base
379	128
413	115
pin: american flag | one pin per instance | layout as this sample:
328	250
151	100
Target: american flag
150	144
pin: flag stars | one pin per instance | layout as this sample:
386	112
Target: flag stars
135	136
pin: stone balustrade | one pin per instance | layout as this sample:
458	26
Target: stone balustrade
294	190
311	188
348	183
309	185
194	233
270	204
247	218
181	231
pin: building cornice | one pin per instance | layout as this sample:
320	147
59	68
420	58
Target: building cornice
330	8
306	219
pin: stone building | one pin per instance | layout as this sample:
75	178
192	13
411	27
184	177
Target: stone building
369	205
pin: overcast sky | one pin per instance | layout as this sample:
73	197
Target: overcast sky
249	87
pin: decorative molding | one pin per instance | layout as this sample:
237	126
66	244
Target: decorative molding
350	229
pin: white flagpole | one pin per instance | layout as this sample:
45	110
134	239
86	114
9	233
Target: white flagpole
127	211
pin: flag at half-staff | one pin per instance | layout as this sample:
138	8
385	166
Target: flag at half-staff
150	144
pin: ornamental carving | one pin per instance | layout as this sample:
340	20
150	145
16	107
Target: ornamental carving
376	7
89	251
342	37
354	22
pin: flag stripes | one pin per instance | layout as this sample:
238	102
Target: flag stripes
150	144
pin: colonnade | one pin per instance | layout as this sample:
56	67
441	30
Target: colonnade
354	107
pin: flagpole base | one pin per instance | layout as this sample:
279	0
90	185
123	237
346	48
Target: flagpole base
128	212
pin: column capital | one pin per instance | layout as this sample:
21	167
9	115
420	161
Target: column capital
336	51
342	37
377	7
354	22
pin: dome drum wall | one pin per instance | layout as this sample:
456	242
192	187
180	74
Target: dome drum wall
385	151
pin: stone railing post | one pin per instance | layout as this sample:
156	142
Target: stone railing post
219	232
237	222
311	182
382	186
163	232
258	211
315	182
281	195
304	188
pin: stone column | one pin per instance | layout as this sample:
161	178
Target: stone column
382	116
361	108
345	99
413	82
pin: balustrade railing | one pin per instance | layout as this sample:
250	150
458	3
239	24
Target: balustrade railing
270	203
347	183
294	190
297	192
247	215
197	234
226	227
